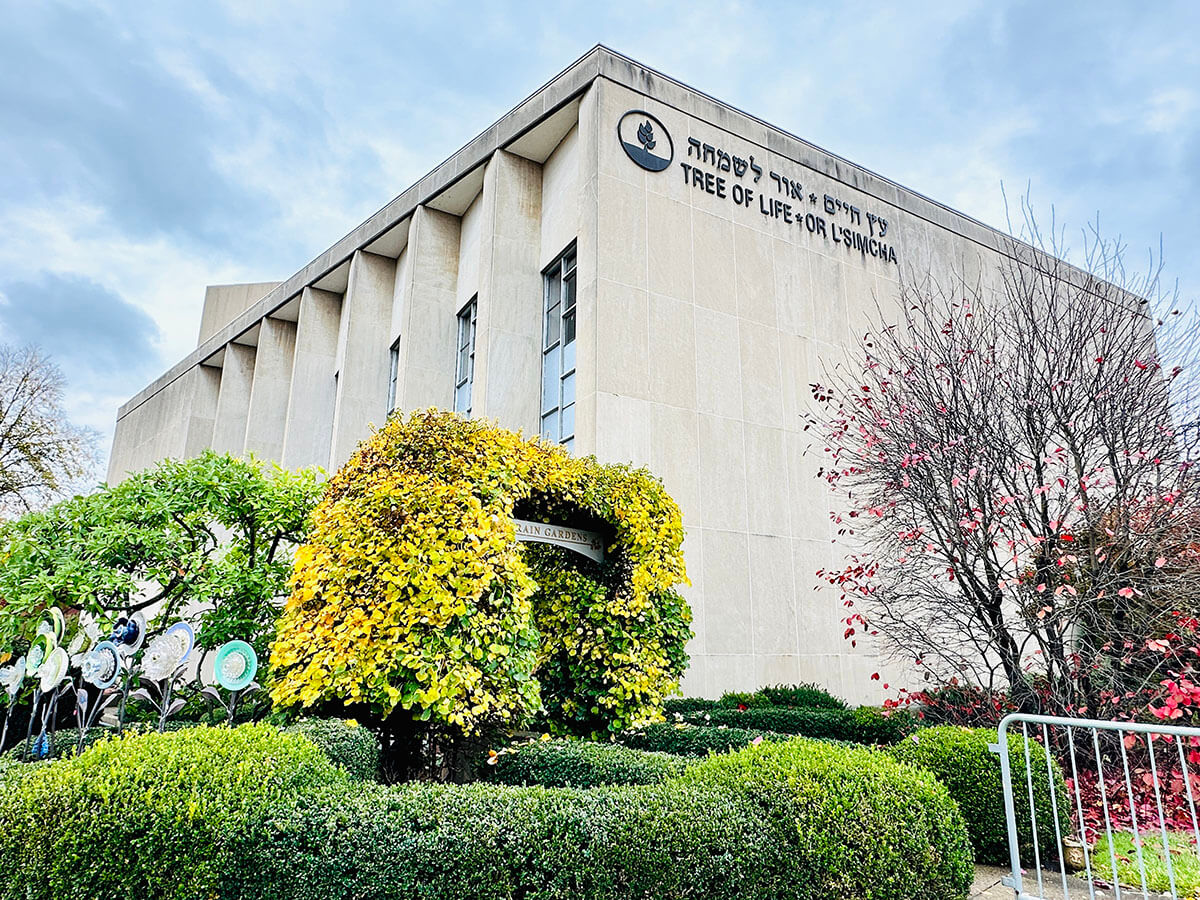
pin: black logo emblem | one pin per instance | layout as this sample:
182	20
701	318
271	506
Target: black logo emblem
645	140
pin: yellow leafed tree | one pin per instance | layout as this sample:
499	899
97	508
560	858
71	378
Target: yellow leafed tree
412	591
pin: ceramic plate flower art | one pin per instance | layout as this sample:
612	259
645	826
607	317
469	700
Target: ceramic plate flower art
236	665
51	672
101	665
168	651
39	651
11	677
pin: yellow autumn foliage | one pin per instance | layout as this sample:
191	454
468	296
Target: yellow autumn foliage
413	592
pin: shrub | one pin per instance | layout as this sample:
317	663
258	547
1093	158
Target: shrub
852	822
582	764
802	696
492	842
683	739
860	726
959	758
682	705
147	815
345	743
810	821
412	592
792	696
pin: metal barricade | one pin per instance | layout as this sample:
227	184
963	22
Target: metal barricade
1151	765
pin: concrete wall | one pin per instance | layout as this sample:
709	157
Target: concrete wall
712	318
225	302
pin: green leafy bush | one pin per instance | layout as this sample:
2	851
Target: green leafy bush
801	696
860	726
344	743
492	842
148	815
959	758
791	696
583	764
851	822
800	819
693	740
682	705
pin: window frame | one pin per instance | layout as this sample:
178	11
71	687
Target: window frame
464	366
559	365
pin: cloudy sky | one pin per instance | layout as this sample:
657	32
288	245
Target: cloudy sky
147	150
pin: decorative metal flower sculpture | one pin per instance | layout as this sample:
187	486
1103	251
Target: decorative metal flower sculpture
48	662
235	667
127	636
163	663
99	667
45	642
11	677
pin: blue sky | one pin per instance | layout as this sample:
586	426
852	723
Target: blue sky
147	150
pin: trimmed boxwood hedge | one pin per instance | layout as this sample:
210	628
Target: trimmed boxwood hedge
798	819
683	739
684	705
148	815
859	726
960	759
851	822
344	743
582	764
792	696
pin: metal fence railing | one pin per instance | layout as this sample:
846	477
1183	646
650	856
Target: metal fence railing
1100	807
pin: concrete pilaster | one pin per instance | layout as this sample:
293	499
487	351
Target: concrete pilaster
429	315
309	429
362	353
202	412
508	344
233	401
267	421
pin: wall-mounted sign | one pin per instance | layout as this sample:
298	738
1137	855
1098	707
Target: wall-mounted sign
645	140
587	543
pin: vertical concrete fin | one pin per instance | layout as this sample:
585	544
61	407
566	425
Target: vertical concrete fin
269	394
233	401
508	342
362	353
430	310
308	432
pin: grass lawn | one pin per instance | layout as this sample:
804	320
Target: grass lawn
1184	861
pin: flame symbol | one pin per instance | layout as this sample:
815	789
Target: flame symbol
646	135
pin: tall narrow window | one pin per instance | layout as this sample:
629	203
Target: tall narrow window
464	374
393	374
558	351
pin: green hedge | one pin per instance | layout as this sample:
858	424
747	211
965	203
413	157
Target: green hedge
350	746
682	739
791	696
859	726
582	764
852	822
252	812
684	705
960	759
800	819
149	815
344	743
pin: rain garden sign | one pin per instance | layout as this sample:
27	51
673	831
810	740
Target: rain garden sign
587	543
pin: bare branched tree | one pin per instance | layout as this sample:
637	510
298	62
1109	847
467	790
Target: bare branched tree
42	455
1015	474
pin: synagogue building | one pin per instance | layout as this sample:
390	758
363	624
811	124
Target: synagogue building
628	267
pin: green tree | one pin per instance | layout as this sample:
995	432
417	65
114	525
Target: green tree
208	539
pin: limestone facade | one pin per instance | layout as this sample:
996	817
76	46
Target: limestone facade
708	295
